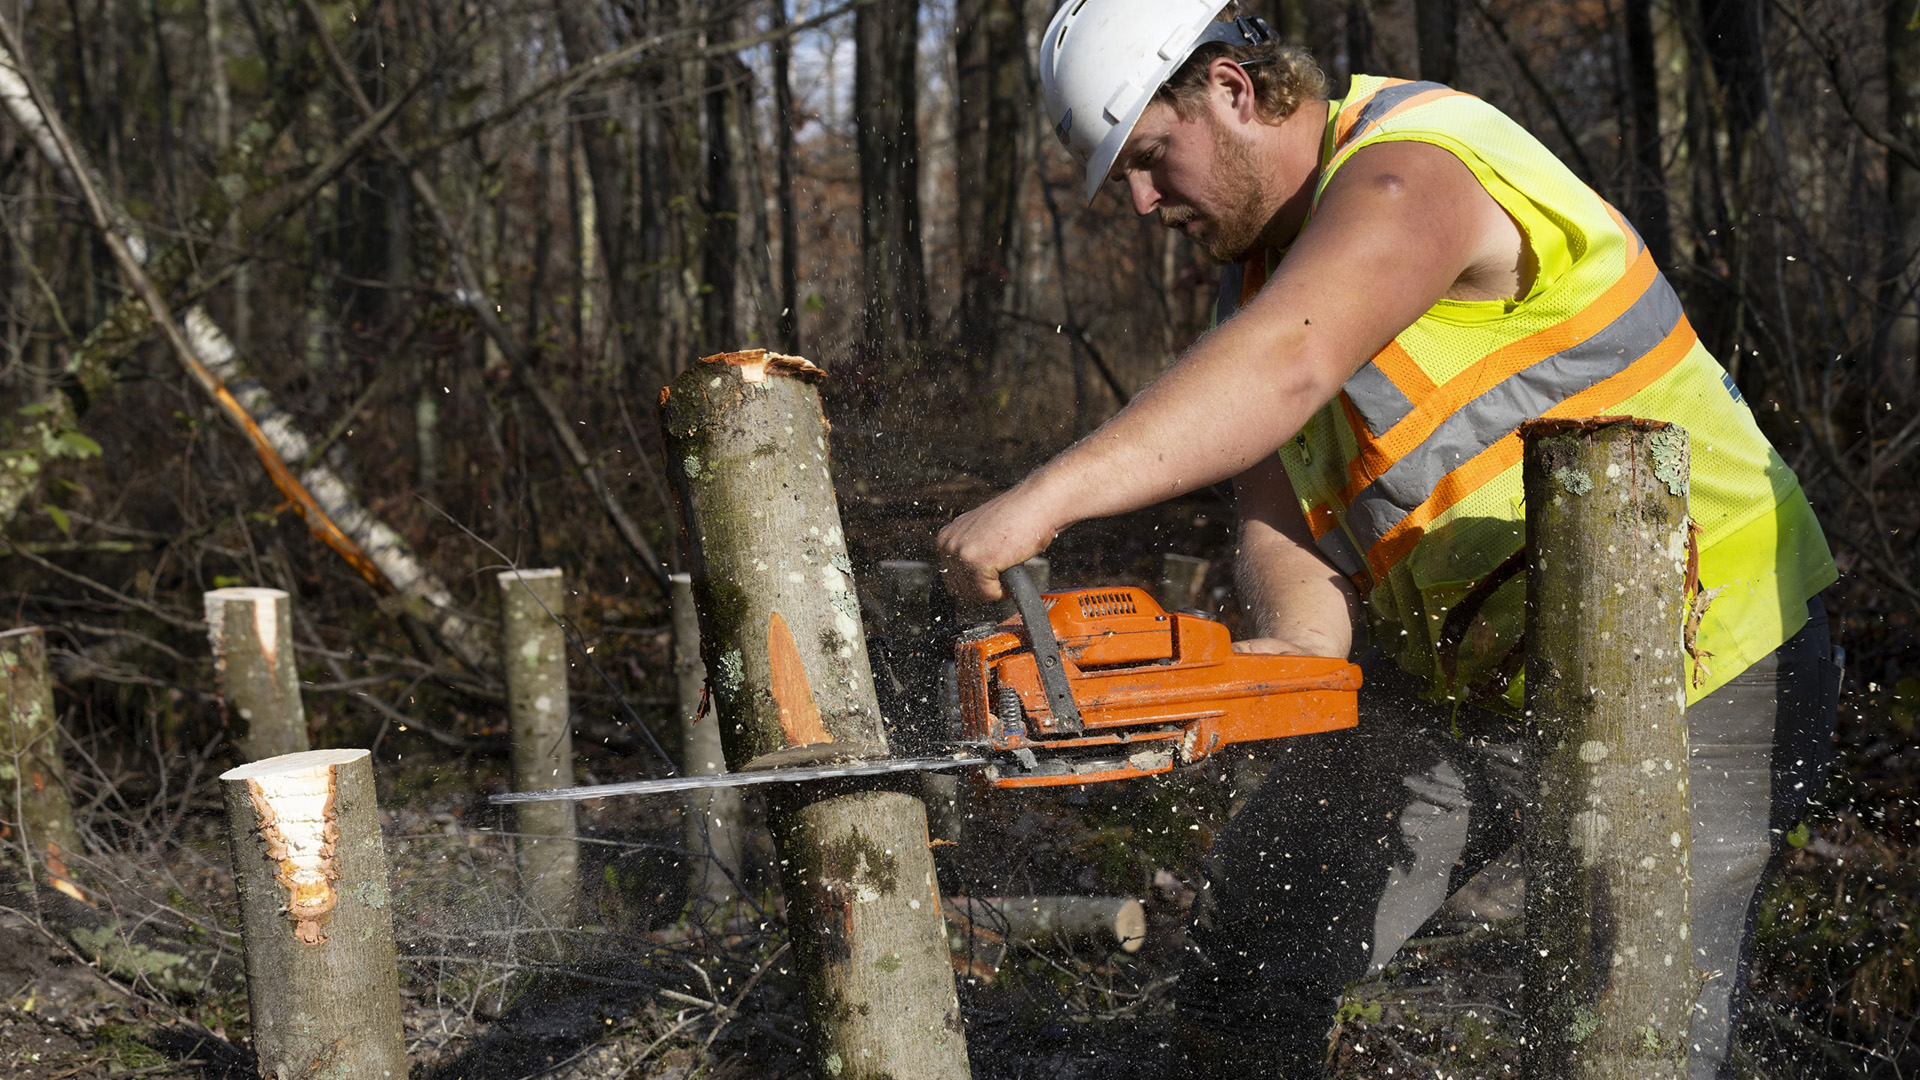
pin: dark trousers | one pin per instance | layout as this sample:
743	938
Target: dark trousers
1356	838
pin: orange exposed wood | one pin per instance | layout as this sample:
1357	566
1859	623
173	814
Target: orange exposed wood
799	714
756	364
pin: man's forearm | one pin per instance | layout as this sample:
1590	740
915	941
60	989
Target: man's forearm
1298	603
1293	596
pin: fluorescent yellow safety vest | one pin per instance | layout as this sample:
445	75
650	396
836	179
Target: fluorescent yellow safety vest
1410	478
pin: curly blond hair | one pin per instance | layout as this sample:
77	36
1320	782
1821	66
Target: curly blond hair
1284	76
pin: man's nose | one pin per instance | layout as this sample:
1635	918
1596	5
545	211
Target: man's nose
1145	196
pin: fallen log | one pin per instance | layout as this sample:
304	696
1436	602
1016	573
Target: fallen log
1101	922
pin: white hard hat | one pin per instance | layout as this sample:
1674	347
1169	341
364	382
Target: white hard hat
1102	61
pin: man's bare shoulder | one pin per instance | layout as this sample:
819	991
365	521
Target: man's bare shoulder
1427	195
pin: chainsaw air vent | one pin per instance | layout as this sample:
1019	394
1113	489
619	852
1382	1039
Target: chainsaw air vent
1100	605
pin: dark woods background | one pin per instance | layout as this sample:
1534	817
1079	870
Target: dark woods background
636	183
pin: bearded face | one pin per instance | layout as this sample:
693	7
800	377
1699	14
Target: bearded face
1227	218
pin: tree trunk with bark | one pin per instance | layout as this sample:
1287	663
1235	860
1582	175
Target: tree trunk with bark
989	106
1610	980
781	635
322	977
1437	32
1647	204
783	139
714	816
1899	341
33	779
885	93
534	652
251	631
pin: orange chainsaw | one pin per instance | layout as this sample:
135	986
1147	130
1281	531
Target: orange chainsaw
1102	684
1082	687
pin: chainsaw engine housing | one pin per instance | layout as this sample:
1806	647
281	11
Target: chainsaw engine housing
1155	689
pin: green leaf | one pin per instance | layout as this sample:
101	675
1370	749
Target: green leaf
76	445
1798	836
813	302
60	519
38	408
227	581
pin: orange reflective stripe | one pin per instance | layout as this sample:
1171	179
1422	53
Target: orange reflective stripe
1505	454
1414	102
1395	364
1350	115
1357	475
1634	246
1378	455
1320	521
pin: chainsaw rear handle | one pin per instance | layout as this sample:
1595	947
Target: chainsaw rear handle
1046	651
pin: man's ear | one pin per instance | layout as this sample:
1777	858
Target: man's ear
1233	87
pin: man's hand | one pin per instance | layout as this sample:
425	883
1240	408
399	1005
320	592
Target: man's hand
1272	646
1007	530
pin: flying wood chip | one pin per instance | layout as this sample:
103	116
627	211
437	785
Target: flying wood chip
799	714
756	364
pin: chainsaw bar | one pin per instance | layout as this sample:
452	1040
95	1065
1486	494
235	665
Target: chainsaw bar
799	774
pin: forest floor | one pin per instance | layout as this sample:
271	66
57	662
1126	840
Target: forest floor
149	983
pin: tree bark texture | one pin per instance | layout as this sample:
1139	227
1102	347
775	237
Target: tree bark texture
780	623
720	239
990	107
713	817
1647	204
1899	341
1610	982
784	150
33	780
251	631
321	964
863	906
1437	29
746	446
885	93
534	645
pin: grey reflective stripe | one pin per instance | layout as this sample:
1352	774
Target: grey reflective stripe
1232	278
1384	102
1379	401
1340	551
1520	397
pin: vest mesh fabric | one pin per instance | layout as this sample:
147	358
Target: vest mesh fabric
1410	479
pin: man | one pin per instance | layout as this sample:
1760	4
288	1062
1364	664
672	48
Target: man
1411	277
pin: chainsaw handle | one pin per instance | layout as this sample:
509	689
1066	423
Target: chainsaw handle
1046	650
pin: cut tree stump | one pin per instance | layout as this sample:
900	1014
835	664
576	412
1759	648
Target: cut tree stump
712	823
33	780
322	980
1610	980
251	631
534	645
746	447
